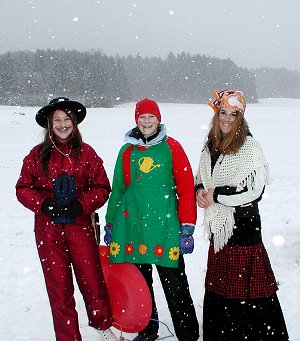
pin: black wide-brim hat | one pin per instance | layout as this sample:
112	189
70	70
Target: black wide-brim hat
60	103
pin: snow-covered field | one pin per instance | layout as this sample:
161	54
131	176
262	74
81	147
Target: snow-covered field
275	123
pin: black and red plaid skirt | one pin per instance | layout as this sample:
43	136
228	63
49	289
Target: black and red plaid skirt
242	272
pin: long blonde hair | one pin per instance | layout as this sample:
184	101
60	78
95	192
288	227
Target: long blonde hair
232	141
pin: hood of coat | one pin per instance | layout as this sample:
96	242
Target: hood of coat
133	137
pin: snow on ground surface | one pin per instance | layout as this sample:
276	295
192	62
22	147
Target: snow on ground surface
275	123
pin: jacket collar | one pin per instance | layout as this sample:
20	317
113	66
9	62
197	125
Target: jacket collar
135	137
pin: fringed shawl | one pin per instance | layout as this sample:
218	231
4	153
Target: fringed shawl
239	170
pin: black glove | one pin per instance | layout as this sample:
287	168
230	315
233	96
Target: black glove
64	188
52	209
72	211
59	214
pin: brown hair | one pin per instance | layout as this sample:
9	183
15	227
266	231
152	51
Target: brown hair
232	141
47	145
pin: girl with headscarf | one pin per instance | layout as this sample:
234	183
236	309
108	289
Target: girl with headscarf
240	301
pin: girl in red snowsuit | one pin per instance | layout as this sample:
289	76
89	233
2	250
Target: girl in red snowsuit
63	181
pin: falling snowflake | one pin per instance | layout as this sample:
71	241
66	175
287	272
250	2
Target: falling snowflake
278	240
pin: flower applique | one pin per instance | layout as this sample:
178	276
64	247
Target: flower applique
174	253
159	250
114	248
129	249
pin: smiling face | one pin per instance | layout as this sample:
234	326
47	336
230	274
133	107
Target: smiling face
226	119
147	124
62	125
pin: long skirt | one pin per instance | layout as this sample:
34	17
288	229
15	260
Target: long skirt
240	301
230	319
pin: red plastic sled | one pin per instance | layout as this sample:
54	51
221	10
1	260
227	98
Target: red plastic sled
128	292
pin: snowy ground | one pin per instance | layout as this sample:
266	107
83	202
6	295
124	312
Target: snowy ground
24	307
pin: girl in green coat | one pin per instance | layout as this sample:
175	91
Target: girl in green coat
151	215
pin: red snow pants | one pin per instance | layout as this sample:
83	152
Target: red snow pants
60	248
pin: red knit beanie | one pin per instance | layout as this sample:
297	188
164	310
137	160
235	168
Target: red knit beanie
147	106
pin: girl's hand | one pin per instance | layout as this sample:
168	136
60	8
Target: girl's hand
201	198
210	196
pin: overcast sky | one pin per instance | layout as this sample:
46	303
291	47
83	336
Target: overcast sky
252	33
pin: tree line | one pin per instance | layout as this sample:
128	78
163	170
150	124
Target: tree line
97	80
277	83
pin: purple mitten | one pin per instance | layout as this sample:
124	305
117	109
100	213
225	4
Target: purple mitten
186	238
107	236
186	245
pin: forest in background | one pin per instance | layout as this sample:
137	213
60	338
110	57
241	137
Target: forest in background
30	78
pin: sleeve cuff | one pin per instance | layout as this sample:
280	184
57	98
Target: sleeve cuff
197	187
215	196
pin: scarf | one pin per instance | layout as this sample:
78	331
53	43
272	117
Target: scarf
238	170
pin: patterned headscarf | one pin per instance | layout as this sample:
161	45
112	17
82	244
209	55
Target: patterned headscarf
232	99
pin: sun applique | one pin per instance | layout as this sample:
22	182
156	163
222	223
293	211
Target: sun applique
129	249
159	250
174	253
114	248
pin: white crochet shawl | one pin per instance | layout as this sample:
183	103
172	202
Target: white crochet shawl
237	170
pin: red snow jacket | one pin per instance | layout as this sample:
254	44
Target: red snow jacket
92	184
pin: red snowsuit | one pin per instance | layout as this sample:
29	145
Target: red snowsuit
60	246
